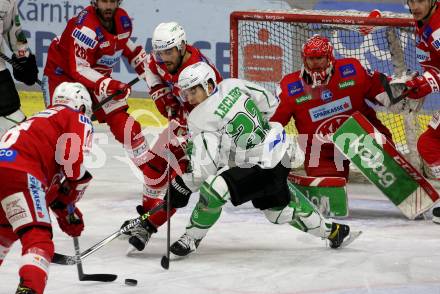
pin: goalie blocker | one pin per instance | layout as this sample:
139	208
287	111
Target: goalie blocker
384	166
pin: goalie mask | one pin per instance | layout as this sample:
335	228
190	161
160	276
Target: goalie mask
317	70
73	95
194	75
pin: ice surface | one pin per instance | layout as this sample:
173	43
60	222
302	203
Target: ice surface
243	253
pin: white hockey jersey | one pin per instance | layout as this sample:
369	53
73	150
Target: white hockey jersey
231	128
10	29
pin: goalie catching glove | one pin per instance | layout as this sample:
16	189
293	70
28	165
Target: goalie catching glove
178	192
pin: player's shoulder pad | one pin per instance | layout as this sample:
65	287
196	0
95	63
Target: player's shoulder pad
84	29
123	24
348	67
292	84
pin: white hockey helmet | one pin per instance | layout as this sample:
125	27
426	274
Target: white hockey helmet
168	35
93	2
73	95
196	74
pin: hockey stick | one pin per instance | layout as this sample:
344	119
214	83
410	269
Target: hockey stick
71	260
89	277
165	261
16	66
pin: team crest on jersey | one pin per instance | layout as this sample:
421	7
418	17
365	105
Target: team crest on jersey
39	199
295	88
85	36
330	109
326	95
126	22
7	155
426	33
329	126
99	34
81	17
347	70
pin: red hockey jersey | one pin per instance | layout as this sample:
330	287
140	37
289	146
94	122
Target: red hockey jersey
428	42
159	75
52	140
86	51
323	109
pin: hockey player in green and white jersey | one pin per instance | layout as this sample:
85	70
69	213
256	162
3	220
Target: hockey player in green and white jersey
237	155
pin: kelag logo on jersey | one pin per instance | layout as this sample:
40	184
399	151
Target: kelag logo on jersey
330	109
347	70
346	84
326	95
295	88
7	155
83	38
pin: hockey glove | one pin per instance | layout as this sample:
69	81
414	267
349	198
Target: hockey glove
107	86
26	70
70	223
420	86
72	191
178	192
165	100
139	62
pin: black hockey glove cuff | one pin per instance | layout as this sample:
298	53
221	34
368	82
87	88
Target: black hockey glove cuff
25	69
179	193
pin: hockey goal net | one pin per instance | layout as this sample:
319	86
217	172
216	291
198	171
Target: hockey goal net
266	45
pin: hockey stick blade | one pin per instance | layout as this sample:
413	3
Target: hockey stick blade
71	260
165	262
99	277
386	85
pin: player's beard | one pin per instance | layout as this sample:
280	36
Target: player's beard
106	15
173	67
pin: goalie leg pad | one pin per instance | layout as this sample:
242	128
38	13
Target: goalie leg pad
266	188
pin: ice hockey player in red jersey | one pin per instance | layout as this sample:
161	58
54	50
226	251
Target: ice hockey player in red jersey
171	55
88	49
427	16
320	97
35	156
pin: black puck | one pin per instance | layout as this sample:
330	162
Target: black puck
131	282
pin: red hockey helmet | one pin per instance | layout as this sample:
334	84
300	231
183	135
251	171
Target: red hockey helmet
318	46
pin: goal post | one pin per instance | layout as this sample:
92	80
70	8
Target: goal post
266	45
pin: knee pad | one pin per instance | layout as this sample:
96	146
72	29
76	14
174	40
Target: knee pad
282	216
214	192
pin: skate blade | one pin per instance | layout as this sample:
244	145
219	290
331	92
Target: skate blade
131	251
353	236
436	220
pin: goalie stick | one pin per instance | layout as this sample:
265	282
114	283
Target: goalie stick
71	260
387	87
